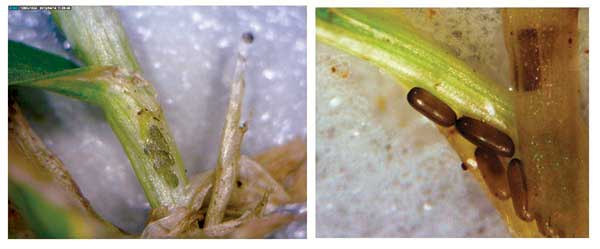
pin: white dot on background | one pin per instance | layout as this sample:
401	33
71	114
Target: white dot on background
265	116
427	206
267	73
196	17
223	43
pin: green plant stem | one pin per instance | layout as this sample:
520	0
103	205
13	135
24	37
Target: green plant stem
380	38
136	118
129	102
96	36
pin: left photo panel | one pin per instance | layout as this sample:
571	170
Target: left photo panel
157	122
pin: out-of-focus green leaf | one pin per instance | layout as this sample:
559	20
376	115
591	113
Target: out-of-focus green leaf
48	208
17	225
27	63
44	218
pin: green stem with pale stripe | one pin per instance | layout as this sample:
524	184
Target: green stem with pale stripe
381	38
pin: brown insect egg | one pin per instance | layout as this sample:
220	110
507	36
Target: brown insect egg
486	136
432	107
493	172
518	189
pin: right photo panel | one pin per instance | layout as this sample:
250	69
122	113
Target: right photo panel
452	122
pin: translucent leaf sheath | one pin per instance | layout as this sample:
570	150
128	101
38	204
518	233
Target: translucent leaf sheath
553	137
376	36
